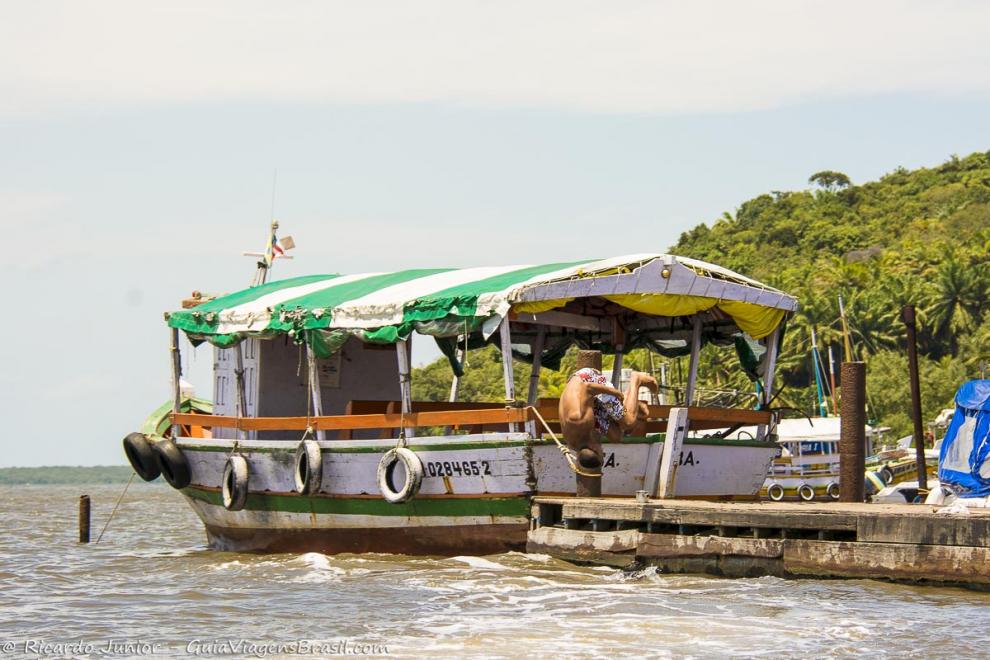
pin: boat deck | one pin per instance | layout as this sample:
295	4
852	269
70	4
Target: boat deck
902	542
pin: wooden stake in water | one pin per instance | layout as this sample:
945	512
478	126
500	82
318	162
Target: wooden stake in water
84	518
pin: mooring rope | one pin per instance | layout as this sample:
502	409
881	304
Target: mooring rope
564	449
123	492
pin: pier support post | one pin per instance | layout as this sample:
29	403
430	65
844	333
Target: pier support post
852	438
907	314
84	518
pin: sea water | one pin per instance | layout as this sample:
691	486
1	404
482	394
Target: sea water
152	587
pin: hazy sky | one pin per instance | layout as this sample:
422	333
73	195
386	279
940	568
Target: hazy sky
138	142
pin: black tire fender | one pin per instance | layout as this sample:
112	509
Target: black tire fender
141	455
173	464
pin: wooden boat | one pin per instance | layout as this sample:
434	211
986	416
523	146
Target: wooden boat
315	442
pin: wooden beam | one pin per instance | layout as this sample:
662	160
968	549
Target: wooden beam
566	320
481	416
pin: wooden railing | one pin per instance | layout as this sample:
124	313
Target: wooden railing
427	414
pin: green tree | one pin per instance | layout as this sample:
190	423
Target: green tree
830	180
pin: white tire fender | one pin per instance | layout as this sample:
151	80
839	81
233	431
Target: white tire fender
309	467
395	493
234	485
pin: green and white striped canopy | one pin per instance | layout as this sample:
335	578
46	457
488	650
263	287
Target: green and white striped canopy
386	307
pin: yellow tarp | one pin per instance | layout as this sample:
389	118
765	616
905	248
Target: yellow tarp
755	320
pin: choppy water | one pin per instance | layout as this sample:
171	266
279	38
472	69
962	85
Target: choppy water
153	581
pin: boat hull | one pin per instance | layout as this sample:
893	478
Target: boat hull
474	499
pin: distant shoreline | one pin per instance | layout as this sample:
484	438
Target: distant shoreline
64	474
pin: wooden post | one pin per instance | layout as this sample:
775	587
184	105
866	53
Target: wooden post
84	518
176	379
907	314
505	338
315	392
405	391
589	360
852	438
677	428
239	383
693	364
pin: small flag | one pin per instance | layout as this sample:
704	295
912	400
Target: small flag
273	251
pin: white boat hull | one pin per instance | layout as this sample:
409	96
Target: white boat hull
474	496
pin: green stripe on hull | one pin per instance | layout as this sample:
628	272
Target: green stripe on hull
453	507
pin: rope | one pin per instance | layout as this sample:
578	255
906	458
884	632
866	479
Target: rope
568	455
123	492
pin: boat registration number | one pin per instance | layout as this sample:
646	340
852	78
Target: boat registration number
457	468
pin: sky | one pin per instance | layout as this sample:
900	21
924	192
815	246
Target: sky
139	143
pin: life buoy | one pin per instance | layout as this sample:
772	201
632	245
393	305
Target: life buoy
775	492
141	456
309	467
887	474
172	463
234	485
806	492
386	475
833	490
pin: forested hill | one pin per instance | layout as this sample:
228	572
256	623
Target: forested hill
920	236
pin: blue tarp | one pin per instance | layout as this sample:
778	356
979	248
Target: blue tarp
964	461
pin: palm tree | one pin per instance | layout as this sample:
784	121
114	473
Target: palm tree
960	298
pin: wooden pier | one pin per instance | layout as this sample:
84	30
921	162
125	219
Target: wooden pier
904	543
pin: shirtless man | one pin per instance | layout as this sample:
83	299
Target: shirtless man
590	409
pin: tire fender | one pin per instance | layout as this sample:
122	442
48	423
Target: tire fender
141	455
806	492
775	492
833	490
172	463
234	484
386	474
309	467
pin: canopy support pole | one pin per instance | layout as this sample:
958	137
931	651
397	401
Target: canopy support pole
455	385
176	379
405	391
534	375
768	377
239	377
693	364
619	340
315	391
504	335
